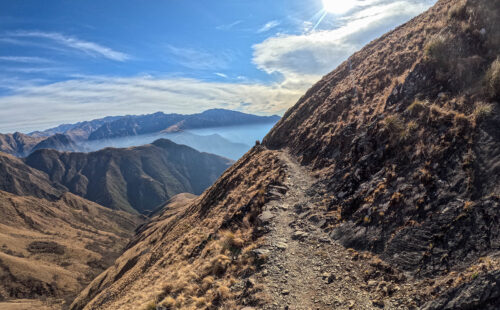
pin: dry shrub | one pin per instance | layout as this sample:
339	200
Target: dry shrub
458	11
168	302
150	306
492	79
394	126
232	242
219	264
482	111
199	302
207	282
417	107
436	50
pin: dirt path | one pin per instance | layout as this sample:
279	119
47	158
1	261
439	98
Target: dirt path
306	269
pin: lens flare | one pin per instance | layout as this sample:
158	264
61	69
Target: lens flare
338	6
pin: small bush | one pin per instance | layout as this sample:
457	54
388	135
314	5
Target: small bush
460	120
150	306
436	50
416	107
232	242
458	11
482	111
168	302
408	133
493	79
393	124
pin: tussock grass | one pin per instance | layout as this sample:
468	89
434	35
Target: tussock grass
436	50
492	79
482	111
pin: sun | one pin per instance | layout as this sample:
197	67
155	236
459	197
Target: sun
338	6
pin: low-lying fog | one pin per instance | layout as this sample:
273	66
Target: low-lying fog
231	142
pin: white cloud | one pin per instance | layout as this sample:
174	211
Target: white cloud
229	26
89	48
198	59
32	107
268	26
24	59
316	53
222	75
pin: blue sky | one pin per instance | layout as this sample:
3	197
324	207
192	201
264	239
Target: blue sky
67	61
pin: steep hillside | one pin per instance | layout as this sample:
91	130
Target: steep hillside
153	123
17	143
58	142
184	245
379	189
21	145
50	250
18	178
138	179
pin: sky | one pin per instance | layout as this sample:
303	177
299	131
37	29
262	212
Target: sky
64	61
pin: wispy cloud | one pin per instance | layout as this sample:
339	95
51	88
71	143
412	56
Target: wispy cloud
197	59
229	26
268	26
87	47
315	53
38	70
24	59
222	75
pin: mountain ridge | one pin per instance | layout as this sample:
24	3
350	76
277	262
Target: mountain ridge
136	179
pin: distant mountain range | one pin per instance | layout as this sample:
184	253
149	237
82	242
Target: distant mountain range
133	130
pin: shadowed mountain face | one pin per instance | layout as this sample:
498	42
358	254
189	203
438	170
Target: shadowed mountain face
138	179
17	143
21	145
18	178
400	155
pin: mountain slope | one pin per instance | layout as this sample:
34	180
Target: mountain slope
138	179
17	143
21	145
51	249
18	178
396	204
58	142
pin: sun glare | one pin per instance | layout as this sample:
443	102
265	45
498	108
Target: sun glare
338	6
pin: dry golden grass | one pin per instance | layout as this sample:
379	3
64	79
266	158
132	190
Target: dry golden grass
82	245
493	79
198	253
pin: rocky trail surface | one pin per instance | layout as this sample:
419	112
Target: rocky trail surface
306	269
